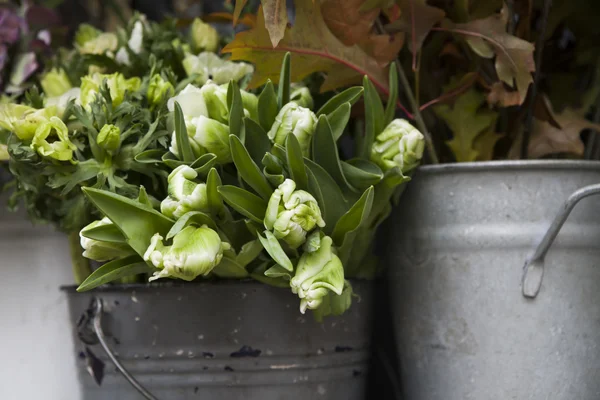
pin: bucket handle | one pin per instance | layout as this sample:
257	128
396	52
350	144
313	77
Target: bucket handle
534	267
96	311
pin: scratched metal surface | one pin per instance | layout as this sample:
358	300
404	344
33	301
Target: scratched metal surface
227	340
458	243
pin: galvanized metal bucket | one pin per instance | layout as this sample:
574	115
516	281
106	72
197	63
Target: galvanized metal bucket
479	312
228	340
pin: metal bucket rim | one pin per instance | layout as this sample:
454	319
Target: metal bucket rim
180	284
498	166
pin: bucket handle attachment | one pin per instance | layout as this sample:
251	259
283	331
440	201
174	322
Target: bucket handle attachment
96	320
534	266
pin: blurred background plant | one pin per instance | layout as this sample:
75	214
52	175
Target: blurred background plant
468	67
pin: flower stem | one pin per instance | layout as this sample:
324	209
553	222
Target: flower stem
80	264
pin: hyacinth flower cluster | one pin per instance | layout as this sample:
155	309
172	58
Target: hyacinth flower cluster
94	110
256	189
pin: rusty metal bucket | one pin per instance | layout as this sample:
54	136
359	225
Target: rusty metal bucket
220	340
480	310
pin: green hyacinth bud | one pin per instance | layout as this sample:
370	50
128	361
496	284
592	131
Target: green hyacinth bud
213	136
158	89
104	43
208	65
319	271
292	213
55	82
109	138
185	194
204	37
215	97
61	149
85	33
301	96
102	251
191	101
195	251
399	145
296	120
117	84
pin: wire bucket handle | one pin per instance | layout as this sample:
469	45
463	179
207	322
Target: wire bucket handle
533	273
90	332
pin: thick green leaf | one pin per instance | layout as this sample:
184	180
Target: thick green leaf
248	169
338	120
117	269
267	106
328	194
352	220
350	95
150	156
236	110
183	140
143	197
283	89
171	161
204	164
273	247
361	173
244	202
192	217
295	162
215	202
273	169
229	269
390	108
136	221
105	233
249	252
257	141
374	118
325	152
276	271
259	275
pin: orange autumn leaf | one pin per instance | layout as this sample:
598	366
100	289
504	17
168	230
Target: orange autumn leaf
351	25
499	95
276	19
313	48
239	6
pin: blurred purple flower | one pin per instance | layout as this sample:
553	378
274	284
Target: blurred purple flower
10	26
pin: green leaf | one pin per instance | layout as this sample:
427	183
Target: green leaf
276	271
143	197
244	202
257	141
374	118
248	169
192	217
204	164
273	169
295	162
249	252
259	275
361	173
390	108
136	221
117	269
150	156
236	110
328	194
350	95
183	140
215	202
325	153
273	247
338	120
267	106
229	269
354	218
283	89
105	233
